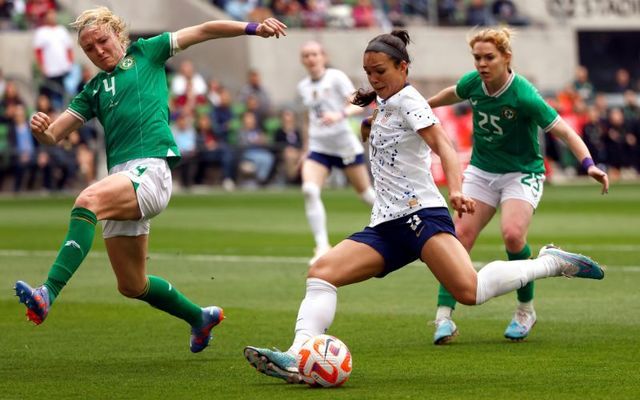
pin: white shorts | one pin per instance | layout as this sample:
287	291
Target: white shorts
493	189
151	179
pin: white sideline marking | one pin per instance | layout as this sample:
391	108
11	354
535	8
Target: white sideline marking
240	258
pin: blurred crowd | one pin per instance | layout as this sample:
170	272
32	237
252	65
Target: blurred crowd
231	138
30	14
374	13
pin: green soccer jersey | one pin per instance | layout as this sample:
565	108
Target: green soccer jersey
505	124
131	103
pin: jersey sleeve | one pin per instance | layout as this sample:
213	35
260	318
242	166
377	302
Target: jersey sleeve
344	85
81	106
540	111
465	84
159	48
418	113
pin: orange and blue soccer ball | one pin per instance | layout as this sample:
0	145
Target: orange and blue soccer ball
324	360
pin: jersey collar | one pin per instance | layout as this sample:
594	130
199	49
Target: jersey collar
504	87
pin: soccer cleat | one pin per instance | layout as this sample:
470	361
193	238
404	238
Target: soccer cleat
521	325
317	253
572	264
446	330
200	336
36	300
273	363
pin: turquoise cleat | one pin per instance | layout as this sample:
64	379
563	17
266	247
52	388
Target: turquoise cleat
36	300
274	363
520	325
200	336
446	330
572	264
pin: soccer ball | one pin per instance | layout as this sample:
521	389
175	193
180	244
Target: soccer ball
324	361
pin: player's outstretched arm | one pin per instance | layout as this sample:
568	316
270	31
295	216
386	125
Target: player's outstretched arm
565	133
49	133
445	97
222	29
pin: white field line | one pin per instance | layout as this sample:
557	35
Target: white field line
230	258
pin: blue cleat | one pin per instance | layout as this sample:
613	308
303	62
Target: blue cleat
521	325
572	264
200	336
36	300
273	363
446	330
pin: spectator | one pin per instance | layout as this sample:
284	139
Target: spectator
363	14
583	85
254	88
213	92
631	109
189	102
614	140
478	14
593	135
451	12
6	15
184	134
10	100
36	11
314	14
54	55
288	143
506	12
213	150
187	73
256	157
622	81
23	149
223	114
63	163
239	9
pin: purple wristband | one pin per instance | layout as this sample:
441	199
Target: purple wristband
251	28
366	122
587	162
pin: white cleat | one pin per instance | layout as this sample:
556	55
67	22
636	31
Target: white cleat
520	326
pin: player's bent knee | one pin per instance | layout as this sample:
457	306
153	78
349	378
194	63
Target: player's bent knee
86	199
131	291
322	269
465	296
310	190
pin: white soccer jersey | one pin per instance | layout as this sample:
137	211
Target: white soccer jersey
400	158
329	93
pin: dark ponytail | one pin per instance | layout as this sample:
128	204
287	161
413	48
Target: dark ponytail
394	45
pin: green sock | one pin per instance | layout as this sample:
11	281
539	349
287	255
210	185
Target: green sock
75	247
525	293
163	296
445	298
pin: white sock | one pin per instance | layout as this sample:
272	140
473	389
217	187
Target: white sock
500	277
316	214
443	312
368	196
526	306
316	312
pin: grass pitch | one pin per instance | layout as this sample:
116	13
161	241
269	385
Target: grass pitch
247	252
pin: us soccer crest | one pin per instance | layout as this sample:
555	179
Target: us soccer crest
508	113
127	62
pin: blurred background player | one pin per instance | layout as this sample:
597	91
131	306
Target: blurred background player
129	95
328	139
410	219
507	168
